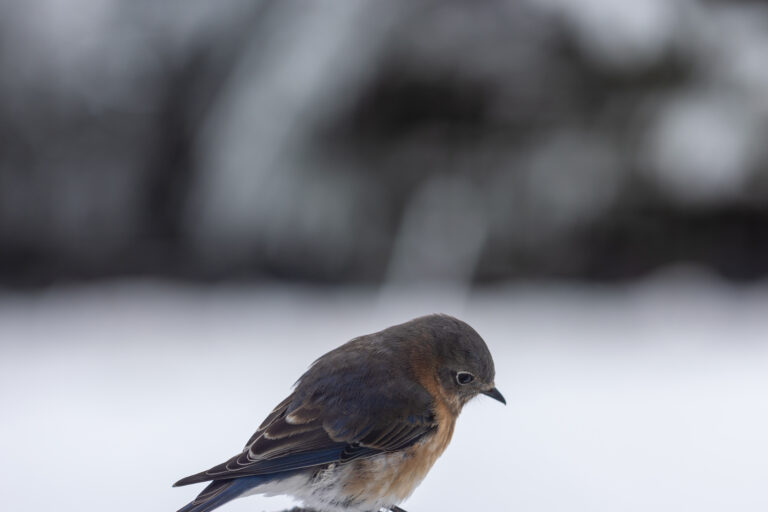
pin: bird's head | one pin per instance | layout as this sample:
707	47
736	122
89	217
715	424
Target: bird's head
458	358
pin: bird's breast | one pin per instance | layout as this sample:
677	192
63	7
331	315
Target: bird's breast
394	476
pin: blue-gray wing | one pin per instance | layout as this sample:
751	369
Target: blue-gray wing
332	417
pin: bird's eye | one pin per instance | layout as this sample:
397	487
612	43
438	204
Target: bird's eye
464	377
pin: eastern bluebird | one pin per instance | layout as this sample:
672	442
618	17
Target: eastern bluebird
364	424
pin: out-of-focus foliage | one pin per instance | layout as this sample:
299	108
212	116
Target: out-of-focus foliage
370	141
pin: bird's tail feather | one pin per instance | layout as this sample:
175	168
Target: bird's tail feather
220	492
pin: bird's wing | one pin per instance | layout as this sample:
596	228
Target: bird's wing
321	425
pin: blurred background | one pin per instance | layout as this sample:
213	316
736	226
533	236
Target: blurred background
188	187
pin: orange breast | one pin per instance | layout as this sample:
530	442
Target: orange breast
419	458
394	476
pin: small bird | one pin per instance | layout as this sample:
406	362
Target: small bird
364	424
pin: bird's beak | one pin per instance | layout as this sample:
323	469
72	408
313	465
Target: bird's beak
496	395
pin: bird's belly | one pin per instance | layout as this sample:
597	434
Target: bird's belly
361	485
369	484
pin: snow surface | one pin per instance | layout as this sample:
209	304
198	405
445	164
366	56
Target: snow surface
647	397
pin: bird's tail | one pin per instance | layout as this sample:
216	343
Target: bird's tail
221	491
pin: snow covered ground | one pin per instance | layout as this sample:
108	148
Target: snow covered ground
647	397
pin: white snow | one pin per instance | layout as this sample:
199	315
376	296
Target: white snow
646	397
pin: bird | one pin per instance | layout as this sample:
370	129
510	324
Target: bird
364	424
